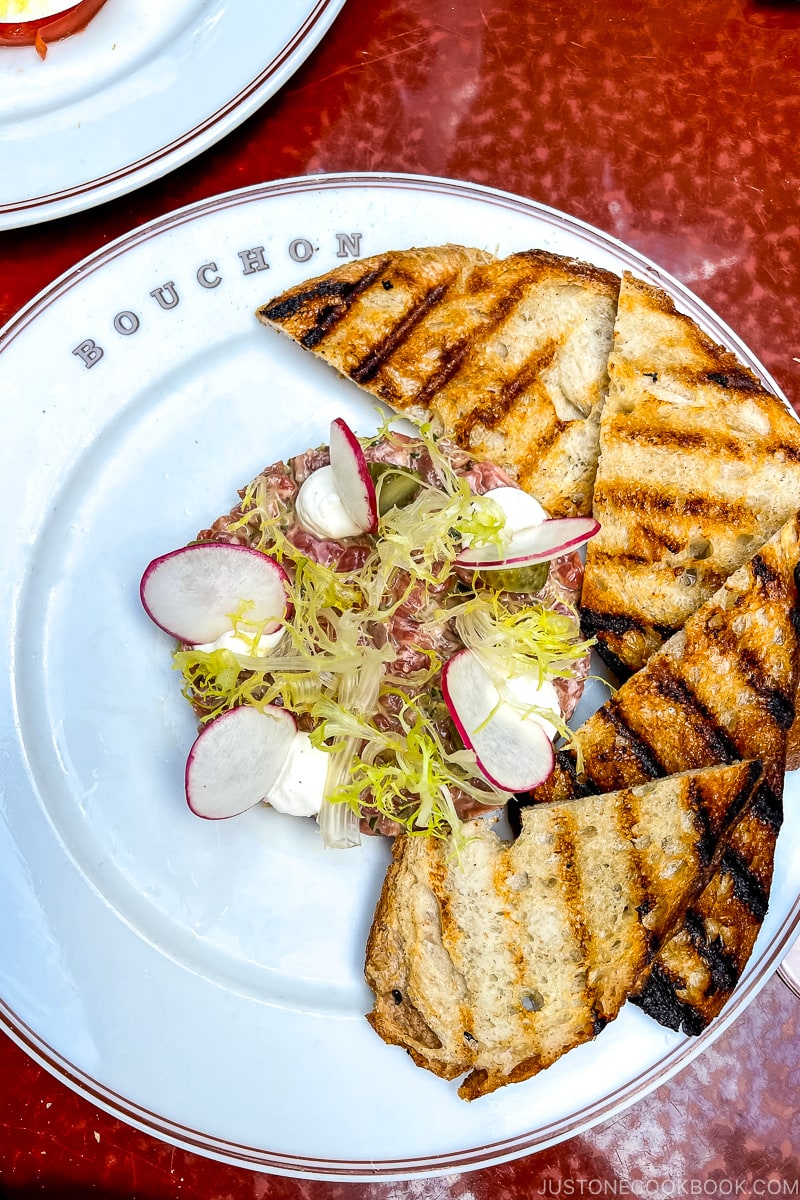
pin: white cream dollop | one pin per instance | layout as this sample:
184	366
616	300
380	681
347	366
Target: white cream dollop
527	690
300	787
520	509
240	643
319	507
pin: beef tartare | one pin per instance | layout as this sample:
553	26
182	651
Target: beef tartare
372	619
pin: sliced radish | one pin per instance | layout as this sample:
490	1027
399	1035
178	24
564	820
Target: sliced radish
533	544
236	759
351	475
512	749
38	22
191	593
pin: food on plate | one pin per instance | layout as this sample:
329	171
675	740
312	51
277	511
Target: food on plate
39	22
721	688
349	659
699	466
508	356
689	465
499	960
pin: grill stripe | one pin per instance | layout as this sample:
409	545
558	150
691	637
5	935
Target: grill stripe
684	440
572	890
642	750
659	999
687	441
767	806
595	621
453	358
343	294
715	736
449	363
339	289
676	507
565	761
747	886
371	363
778	706
712	951
707	836
736	378
491	413
621	669
628	817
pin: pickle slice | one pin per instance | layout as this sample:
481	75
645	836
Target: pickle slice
530	578
395	487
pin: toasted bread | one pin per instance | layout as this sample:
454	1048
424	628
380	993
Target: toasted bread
722	688
699	466
501	961
506	356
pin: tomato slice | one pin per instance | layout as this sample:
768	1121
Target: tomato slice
40	33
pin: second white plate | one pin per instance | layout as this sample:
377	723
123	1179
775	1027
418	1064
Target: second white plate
144	88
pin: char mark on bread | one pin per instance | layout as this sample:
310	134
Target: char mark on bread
747	887
660	1000
629	754
768	806
367	369
323	304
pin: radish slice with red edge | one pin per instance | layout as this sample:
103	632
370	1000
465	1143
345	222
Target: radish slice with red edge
191	593
351	476
236	759
534	544
513	749
42	22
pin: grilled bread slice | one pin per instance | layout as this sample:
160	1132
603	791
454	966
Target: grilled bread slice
722	688
508	357
502	960
699	466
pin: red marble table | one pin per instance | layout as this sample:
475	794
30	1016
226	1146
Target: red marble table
672	127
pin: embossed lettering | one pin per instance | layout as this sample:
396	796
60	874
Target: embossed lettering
301	250
166	296
89	352
126	322
204	279
349	243
253	260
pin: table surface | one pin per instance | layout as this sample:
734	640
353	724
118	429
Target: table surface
672	128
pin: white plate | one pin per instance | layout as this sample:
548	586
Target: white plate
789	970
203	981
145	87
